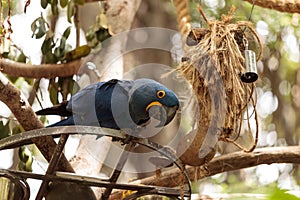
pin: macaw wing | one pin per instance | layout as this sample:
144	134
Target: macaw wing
82	105
83	100
92	105
79	103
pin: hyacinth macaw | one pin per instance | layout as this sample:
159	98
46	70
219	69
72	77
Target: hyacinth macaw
117	104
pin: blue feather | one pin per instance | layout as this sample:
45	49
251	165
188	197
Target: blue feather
115	104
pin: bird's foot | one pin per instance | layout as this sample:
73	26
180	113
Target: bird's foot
127	140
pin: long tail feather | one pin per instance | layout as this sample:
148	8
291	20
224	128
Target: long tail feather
59	109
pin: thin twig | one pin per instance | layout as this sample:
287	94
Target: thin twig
77	25
26	5
202	14
8	19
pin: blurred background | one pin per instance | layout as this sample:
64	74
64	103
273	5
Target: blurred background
277	91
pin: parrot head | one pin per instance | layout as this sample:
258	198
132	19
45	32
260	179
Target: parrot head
152	99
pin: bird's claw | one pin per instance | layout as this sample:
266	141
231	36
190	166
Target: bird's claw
127	140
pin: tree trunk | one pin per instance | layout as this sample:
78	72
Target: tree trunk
109	63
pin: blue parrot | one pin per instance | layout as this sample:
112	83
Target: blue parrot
117	104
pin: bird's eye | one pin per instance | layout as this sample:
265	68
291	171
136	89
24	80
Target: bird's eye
160	94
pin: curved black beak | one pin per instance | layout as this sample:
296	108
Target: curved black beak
171	112
164	114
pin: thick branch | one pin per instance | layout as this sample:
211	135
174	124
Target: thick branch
290	6
18	104
228	162
39	71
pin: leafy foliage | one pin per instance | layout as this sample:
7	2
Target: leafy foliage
99	32
53	51
4	130
39	27
26	159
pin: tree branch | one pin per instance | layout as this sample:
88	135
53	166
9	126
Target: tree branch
290	6
224	163
20	107
39	71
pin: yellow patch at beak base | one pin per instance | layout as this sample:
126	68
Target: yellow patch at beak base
154	103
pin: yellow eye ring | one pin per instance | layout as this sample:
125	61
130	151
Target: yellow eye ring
160	94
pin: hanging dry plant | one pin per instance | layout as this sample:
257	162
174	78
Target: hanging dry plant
213	67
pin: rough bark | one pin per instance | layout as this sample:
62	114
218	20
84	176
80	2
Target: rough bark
17	69
19	106
120	15
290	6
225	163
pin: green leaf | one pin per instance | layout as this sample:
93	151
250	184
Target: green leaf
47	46
22	154
38	27
34	25
28	165
25	159
59	53
78	53
54	7
30	81
73	87
21	58
44	3
67	32
50	58
16	130
4	130
43	119
53	94
40	33
70	11
62	44
63	3
21	166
